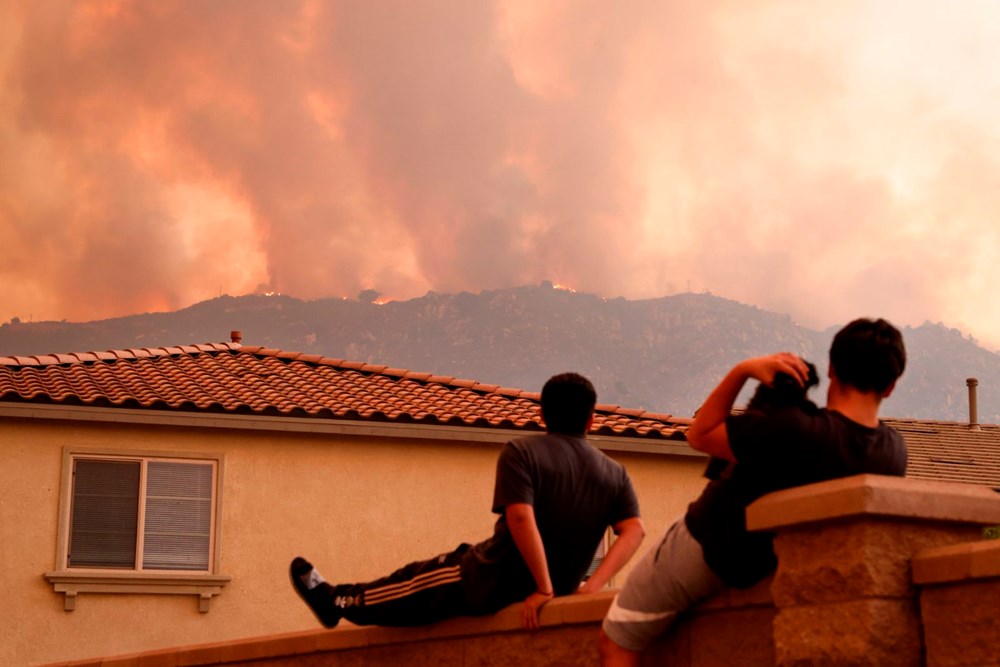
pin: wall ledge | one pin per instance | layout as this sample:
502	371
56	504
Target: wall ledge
875	495
563	611
957	562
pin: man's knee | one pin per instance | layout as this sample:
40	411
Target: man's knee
613	655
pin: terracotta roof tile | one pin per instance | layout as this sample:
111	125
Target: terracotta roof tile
224	377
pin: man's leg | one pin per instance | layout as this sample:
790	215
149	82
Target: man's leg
416	594
669	579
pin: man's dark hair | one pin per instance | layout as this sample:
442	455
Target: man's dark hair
568	402
868	355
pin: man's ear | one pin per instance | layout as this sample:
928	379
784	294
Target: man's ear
590	423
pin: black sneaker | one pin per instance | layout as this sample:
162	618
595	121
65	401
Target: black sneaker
315	592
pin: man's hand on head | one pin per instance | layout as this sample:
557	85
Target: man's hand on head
708	430
766	368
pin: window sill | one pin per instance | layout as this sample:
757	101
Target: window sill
71	583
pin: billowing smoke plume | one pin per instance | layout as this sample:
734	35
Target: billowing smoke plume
828	160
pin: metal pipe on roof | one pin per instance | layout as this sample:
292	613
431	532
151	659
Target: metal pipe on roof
972	383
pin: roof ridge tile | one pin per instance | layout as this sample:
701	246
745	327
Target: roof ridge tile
310	358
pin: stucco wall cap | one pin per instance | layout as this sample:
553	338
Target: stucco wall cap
956	562
875	495
291	647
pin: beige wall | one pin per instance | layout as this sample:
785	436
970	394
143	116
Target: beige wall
356	507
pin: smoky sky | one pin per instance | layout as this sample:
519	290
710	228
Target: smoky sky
829	160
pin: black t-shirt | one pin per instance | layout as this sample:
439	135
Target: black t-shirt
576	492
776	449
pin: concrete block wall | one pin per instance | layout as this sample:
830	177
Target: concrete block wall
843	590
960	603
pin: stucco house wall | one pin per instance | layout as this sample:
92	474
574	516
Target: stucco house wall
358	505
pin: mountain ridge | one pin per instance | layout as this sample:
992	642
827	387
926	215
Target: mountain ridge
663	354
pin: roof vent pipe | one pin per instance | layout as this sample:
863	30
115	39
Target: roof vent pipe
972	383
236	336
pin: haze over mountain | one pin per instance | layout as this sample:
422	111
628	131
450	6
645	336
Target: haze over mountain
662	354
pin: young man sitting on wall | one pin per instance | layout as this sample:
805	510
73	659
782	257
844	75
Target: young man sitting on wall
555	494
770	450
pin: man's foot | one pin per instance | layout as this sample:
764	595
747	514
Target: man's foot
315	592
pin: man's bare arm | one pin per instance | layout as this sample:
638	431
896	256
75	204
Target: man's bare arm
630	533
708	431
524	530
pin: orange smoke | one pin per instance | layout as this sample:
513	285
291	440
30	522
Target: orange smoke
826	160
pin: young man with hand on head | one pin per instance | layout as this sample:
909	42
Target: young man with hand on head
773	449
556	495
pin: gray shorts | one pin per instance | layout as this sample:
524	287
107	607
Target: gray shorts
668	579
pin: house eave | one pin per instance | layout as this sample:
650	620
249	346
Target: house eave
321	426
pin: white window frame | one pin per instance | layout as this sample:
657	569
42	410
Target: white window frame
600	554
71	581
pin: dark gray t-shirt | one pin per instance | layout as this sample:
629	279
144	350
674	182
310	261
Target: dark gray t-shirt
576	492
779	448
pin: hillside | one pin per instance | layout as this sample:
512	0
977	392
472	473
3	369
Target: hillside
662	354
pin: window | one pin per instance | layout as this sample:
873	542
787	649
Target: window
602	551
146	515
138	523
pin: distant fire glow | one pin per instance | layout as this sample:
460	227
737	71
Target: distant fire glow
565	288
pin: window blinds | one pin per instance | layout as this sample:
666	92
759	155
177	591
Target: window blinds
178	518
105	513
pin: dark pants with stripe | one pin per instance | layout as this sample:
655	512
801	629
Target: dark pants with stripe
415	594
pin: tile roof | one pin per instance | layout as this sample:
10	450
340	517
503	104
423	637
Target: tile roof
951	451
229	378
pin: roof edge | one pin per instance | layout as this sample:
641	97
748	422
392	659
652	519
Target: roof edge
255	422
